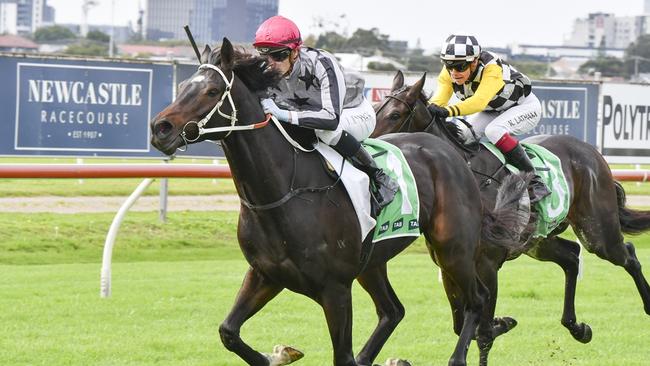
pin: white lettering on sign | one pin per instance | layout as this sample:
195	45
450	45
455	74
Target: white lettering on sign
79	92
84	117
544	129
561	109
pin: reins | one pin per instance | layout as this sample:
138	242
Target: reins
293	192
468	152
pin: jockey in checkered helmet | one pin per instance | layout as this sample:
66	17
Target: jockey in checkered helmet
494	97
459	48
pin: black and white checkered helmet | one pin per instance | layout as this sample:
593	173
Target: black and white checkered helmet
458	47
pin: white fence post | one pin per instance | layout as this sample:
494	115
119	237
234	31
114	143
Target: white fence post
105	281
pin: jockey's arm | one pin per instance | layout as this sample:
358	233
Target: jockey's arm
332	82
491	83
444	90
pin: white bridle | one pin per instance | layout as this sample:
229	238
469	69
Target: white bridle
233	115
217	108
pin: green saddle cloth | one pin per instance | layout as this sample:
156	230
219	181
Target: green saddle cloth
401	216
552	209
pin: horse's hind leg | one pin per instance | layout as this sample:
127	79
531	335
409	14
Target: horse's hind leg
566	254
389	310
633	267
600	232
256	291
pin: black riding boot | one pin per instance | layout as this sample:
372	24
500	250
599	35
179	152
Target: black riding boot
537	189
383	186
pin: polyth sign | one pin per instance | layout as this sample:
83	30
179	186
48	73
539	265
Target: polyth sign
626	123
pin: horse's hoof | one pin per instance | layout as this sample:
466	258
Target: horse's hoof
581	332
397	362
503	325
283	355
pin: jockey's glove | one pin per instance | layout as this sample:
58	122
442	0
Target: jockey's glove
270	107
438	111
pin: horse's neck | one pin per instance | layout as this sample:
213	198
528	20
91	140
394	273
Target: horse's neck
260	160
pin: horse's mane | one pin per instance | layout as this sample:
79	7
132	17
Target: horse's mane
251	69
254	72
452	129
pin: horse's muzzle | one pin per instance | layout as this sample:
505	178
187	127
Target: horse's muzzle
163	137
162	129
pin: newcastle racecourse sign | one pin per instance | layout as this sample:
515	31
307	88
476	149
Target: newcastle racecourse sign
58	106
82	108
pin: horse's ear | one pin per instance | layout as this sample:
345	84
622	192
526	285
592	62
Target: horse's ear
205	56
416	89
398	80
227	53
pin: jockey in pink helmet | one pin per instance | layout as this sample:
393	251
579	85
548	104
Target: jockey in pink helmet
316	93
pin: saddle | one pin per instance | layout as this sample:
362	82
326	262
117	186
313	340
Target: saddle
551	210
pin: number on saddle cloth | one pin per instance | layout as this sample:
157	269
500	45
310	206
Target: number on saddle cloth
553	209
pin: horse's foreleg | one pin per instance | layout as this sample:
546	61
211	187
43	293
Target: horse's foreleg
566	254
255	292
336	300
389	310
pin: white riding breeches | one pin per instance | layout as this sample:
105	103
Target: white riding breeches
358	121
516	120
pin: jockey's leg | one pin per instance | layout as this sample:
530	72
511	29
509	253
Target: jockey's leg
385	186
516	120
356	124
516	155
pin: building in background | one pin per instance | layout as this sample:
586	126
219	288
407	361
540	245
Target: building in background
8	18
605	30
165	18
30	14
210	20
15	43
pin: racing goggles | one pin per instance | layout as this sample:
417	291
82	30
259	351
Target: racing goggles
277	54
458	65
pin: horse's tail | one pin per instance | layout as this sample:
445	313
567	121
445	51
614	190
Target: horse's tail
632	221
511	218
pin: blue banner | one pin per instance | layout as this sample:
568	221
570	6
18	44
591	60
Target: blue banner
567	109
68	107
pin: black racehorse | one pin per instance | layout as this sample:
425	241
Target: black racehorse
297	227
597	210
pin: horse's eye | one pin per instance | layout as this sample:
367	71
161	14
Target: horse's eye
213	93
394	116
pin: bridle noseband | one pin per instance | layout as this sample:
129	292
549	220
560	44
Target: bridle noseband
233	115
217	108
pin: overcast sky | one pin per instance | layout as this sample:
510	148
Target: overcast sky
495	22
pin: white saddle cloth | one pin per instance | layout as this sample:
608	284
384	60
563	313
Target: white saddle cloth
356	183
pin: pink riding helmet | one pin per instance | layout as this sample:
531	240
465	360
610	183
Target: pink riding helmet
277	32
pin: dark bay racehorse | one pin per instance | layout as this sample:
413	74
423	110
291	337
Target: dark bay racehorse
297	227
597	210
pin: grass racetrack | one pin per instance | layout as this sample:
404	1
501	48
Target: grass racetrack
174	283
